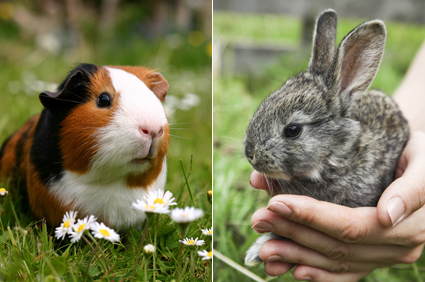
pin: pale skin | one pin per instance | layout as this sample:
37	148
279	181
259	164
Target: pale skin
336	243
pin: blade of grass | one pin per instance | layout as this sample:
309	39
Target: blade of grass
186	179
237	267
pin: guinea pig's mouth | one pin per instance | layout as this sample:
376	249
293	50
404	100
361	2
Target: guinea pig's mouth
140	161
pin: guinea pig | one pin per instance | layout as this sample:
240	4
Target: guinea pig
98	145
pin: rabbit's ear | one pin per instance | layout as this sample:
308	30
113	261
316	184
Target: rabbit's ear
323	42
358	58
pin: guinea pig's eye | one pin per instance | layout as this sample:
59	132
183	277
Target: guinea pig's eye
104	100
292	131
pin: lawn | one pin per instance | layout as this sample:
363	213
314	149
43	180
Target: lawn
236	97
29	250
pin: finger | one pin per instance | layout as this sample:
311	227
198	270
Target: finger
407	193
276	268
359	225
266	221
258	181
290	252
304	272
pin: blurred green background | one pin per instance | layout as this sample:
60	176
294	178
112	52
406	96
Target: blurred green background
239	87
42	40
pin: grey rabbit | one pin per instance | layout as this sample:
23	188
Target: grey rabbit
323	134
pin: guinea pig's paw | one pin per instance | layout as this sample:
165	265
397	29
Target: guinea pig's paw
252	257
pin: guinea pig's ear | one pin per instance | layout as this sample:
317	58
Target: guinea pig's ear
323	42
158	85
66	96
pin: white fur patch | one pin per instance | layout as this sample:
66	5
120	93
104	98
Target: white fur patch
111	202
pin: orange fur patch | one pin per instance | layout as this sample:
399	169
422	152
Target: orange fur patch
78	133
11	166
43	204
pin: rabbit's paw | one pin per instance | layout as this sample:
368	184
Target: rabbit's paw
252	257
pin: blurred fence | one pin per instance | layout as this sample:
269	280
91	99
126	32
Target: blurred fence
248	57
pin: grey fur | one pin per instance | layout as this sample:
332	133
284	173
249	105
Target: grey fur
351	138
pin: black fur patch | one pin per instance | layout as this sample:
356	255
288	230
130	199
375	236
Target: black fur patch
45	151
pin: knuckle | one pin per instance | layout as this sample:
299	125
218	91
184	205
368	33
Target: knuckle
410	257
337	251
417	239
353	233
340	266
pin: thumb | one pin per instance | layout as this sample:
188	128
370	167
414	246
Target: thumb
407	193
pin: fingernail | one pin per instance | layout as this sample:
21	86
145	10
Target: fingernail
262	226
306	278
280	208
396	210
273	258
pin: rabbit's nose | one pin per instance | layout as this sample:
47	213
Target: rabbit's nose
251	158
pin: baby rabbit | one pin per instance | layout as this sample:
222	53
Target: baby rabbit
97	147
323	134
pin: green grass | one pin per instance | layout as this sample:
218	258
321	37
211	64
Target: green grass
28	250
235	101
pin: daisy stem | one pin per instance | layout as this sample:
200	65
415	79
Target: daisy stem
192	264
88	268
145	269
183	227
184	269
154	254
101	251
139	250
94	251
179	261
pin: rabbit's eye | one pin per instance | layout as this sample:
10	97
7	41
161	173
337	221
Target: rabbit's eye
292	131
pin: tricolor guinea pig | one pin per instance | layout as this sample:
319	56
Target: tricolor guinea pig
98	145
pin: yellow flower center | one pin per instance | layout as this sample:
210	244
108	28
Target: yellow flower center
191	242
104	232
209	232
185	215
158	201
66	224
210	193
3	190
210	253
151	207
81	227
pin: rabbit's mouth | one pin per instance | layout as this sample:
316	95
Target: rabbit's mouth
278	175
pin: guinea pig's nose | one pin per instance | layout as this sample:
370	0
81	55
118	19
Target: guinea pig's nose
152	131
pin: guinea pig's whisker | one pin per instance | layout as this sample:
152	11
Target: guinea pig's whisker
181	137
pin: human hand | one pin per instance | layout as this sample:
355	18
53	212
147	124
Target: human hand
337	243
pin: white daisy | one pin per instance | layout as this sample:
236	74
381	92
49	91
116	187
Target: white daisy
192	242
67	224
99	230
205	255
81	226
149	249
3	191
158	197
150	207
207	232
185	215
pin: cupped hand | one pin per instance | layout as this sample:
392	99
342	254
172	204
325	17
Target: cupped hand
335	243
